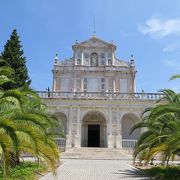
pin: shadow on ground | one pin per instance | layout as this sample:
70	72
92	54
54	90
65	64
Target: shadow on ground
132	173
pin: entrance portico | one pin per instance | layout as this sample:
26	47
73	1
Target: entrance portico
94	130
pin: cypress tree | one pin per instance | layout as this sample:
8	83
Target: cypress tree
13	54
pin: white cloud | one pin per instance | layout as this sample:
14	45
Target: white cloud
173	64
172	48
159	28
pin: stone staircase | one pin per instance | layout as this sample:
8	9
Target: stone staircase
96	153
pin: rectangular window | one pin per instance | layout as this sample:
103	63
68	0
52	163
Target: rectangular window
102	55
109	55
78	85
85	84
65	84
93	85
102	87
123	86
102	84
110	84
102	62
78	55
86	55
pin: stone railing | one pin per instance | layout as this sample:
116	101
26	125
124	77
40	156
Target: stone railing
61	142
100	95
128	143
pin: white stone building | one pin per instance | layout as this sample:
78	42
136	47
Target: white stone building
94	96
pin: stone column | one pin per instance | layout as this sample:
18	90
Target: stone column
114	127
69	135
113	59
107	90
119	132
110	137
54	84
78	130
133	81
75	57
74	83
82	58
114	85
82	84
106	59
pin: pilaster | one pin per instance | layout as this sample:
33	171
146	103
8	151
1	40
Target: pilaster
119	132
110	137
82	58
78	130
69	135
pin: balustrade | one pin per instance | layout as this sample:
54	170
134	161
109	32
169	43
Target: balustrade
61	142
128	143
100	95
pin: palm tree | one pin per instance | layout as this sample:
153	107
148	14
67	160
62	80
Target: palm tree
6	125
162	134
175	77
24	125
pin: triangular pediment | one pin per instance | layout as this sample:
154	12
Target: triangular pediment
95	42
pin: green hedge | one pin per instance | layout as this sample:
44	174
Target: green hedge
25	171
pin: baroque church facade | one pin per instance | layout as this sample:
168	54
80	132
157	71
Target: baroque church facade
94	96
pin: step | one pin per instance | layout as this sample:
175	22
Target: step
94	149
95	153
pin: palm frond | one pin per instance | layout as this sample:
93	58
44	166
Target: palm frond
175	77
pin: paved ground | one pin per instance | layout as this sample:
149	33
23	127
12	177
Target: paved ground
80	169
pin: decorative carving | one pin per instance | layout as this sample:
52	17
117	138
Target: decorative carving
94	59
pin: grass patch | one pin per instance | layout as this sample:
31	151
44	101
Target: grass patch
163	172
25	171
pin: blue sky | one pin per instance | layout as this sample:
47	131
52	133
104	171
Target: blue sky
148	29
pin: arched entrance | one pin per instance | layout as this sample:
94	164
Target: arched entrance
128	121
94	130
63	121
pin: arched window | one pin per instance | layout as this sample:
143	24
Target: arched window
109	62
94	59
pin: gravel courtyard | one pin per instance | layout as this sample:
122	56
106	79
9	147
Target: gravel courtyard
80	169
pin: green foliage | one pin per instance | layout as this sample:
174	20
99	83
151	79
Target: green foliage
24	128
175	77
162	135
163	172
5	73
13	55
25	171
